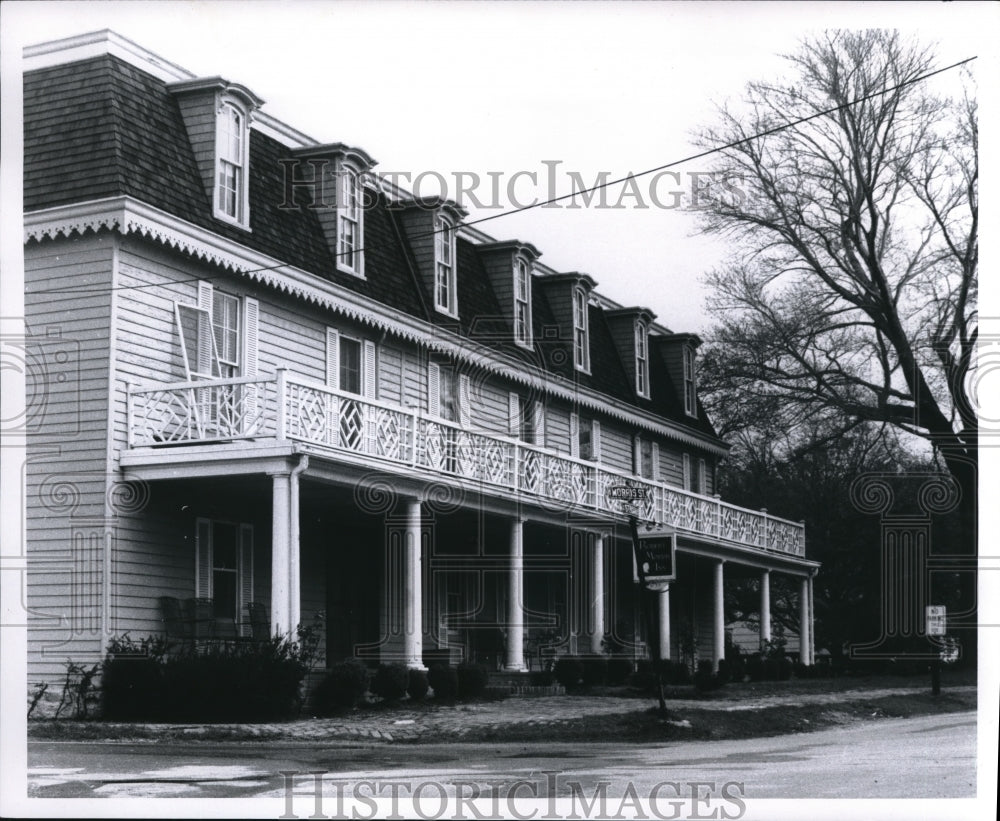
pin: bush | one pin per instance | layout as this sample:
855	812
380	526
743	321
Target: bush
542	678
443	680
472	679
132	678
568	671
417	686
390	681
342	688
705	679
619	670
595	671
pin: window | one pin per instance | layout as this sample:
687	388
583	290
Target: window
226	329
349	251
350	365
231	156
444	267
522	302
586	438
690	397
702	477
686	471
224	567
581	343
447	394
642	359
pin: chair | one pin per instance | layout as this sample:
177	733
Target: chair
260	624
175	625
202	614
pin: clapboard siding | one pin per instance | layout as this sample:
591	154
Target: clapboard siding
67	316
671	465
616	447
490	399
557	427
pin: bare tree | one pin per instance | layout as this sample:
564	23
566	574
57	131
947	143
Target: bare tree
852	290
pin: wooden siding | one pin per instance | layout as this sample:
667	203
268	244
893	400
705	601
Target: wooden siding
623	333
198	112
616	446
418	225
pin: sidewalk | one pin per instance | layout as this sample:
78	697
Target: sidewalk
543	718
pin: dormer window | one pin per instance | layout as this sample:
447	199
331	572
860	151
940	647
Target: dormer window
349	222
231	155
690	396
522	302
642	359
581	340
445	299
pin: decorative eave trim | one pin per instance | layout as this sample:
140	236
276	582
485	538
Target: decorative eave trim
96	43
130	216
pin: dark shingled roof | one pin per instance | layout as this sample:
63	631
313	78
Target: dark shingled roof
102	128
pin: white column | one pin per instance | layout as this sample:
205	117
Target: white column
294	554
804	631
597	596
812	624
514	662
719	604
413	637
664	598
765	606
280	554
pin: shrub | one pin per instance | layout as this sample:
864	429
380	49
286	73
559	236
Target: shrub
132	678
595	671
755	667
443	680
724	674
472	680
704	678
542	678
342	688
568	671
418	685
390	681
619	670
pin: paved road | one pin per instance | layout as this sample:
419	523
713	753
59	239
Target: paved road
925	757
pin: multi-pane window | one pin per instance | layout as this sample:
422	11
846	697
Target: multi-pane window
350	365
349	221
225	579
641	359
231	141
226	329
690	397
581	344
444	266
448	394
522	302
586	434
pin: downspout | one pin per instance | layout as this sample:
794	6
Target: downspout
294	563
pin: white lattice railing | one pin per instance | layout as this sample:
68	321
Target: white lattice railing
291	408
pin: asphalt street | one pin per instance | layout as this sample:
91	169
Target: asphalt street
923	757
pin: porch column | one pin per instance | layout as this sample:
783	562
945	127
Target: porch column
597	596
765	607
413	637
804	626
514	661
719	631
281	539
664	598
294	547
812	623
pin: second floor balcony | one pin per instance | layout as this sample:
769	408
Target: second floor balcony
401	439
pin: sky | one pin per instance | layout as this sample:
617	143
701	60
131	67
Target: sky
504	91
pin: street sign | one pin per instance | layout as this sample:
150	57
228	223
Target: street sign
655	555
628	493
937	621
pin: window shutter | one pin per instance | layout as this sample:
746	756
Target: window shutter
514	410
636	455
464	403
539	423
433	389
206	340
332	358
655	461
203	559
595	440
574	435
371	374
251	317
246	568
686	475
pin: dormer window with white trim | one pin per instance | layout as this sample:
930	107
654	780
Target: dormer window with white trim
445	298
350	258
690	394
231	151
581	336
522	302
642	359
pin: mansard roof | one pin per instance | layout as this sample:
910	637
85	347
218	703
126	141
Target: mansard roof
101	128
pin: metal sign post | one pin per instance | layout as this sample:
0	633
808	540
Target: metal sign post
936	625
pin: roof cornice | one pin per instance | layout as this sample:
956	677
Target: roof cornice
130	216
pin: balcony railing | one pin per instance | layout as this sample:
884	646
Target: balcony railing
289	407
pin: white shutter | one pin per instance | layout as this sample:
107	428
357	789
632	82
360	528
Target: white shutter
245	569
332	382
574	435
655	461
539	423
433	389
203	559
251	317
595	440
206	339
686	471
371	371
636	455
514	414
464	403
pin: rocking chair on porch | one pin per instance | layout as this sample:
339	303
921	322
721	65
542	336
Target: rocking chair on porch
260	624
